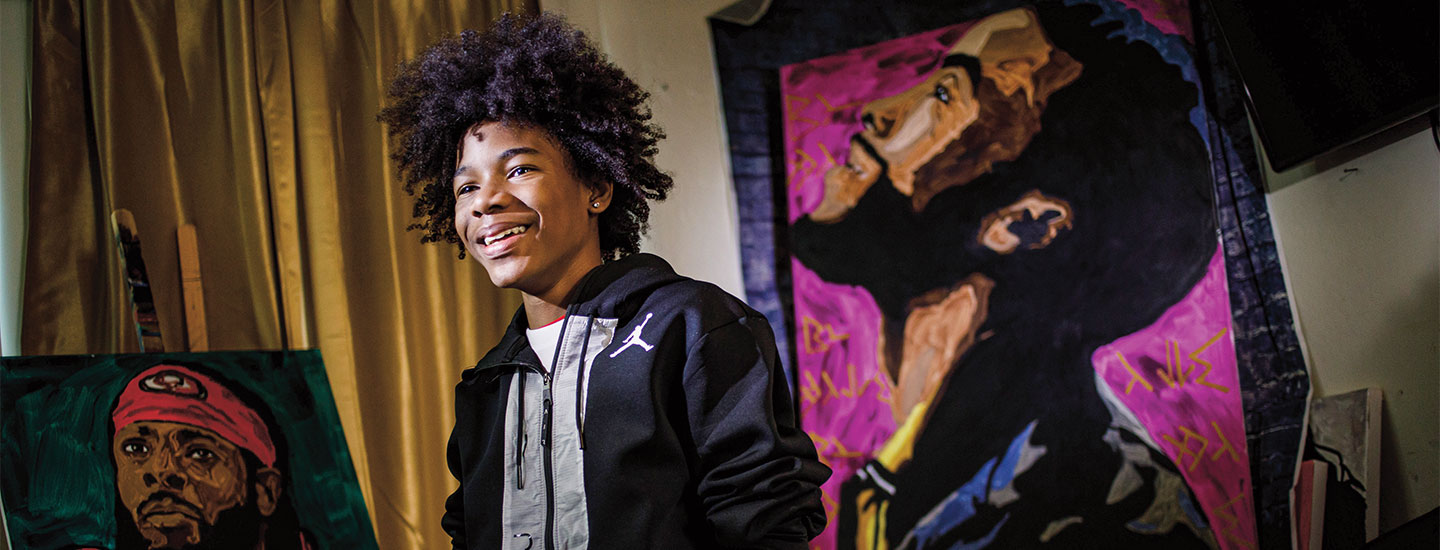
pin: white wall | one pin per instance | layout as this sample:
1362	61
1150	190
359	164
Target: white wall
14	156
1359	236
665	47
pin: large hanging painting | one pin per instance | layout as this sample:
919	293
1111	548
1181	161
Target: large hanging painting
181	450
1010	301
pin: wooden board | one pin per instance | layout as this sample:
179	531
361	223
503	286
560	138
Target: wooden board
191	289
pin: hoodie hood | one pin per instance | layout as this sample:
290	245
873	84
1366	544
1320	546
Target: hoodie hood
616	289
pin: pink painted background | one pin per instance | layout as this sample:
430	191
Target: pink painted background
1190	407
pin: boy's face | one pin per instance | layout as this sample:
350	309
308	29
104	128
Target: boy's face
522	213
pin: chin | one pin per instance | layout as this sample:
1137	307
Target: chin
504	274
502	282
185	535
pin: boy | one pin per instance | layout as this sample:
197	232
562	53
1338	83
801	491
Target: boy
626	406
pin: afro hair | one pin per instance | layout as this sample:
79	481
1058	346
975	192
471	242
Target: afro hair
532	71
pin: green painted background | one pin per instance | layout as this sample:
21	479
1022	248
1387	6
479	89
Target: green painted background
56	476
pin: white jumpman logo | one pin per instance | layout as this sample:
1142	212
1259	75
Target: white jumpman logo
634	338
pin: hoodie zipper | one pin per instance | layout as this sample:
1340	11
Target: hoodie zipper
545	429
549	475
547	421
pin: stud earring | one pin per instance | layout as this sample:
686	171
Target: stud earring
594	205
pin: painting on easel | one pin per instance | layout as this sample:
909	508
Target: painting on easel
176	450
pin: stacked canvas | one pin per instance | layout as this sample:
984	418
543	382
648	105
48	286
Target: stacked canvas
1336	500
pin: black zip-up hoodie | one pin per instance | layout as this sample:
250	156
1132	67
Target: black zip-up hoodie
666	422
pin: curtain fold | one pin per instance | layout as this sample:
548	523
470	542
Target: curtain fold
256	122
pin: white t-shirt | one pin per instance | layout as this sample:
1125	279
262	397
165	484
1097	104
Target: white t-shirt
544	340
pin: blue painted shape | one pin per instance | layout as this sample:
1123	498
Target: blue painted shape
959	507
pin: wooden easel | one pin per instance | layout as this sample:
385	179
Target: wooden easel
191	291
142	303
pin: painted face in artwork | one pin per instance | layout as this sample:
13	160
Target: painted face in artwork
901	133
178	481
521	211
982	105
910	128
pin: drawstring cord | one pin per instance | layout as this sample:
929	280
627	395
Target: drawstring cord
520	438
580	381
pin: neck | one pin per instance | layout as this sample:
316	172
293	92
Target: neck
545	306
539	312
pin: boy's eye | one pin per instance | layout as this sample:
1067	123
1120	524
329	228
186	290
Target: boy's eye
520	171
463	189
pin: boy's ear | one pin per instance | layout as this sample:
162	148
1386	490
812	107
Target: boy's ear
600	196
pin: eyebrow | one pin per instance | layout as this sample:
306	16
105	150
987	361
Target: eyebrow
502	157
191	435
970	63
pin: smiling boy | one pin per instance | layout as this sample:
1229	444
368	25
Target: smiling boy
626	406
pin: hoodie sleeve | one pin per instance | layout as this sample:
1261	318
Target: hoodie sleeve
759	476
454	519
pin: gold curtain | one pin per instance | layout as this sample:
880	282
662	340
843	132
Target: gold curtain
255	120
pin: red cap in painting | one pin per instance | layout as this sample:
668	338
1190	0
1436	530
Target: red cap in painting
172	393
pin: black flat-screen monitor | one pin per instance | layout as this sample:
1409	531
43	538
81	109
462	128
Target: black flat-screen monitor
1320	74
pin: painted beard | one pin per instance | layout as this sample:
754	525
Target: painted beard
238	528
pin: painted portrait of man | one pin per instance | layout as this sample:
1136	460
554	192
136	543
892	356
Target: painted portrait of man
197	466
1033	193
213	450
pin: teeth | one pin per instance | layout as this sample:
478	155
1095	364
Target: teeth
506	233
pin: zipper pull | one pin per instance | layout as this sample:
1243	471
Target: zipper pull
545	414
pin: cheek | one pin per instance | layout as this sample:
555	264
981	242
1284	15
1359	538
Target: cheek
129	482
219	487
922	127
459	221
950	121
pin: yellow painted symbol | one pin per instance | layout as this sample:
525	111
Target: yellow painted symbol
810	391
1195	356
819	336
1232	521
831	448
1177	373
1134	376
1183	447
1225	445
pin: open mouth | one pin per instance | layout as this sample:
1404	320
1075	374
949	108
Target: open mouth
506	234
